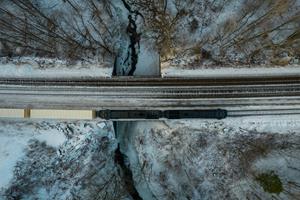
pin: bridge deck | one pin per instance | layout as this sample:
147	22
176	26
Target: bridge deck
247	94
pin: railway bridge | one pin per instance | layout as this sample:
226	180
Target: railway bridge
238	96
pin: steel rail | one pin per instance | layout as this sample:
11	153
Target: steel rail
132	81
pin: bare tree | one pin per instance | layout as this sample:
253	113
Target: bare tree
225	32
162	18
70	29
255	32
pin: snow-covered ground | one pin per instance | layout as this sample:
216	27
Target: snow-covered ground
14	137
32	67
234	158
58	160
211	72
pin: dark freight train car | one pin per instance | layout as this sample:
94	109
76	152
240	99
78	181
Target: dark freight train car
129	114
157	114
187	114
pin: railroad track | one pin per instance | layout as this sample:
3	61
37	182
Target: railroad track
152	93
152	81
160	92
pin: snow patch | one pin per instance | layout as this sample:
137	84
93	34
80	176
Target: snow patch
11	150
32	67
169	71
53	139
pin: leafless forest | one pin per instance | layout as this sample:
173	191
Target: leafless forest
195	31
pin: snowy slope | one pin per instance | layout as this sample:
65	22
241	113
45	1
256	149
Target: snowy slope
234	158
58	160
